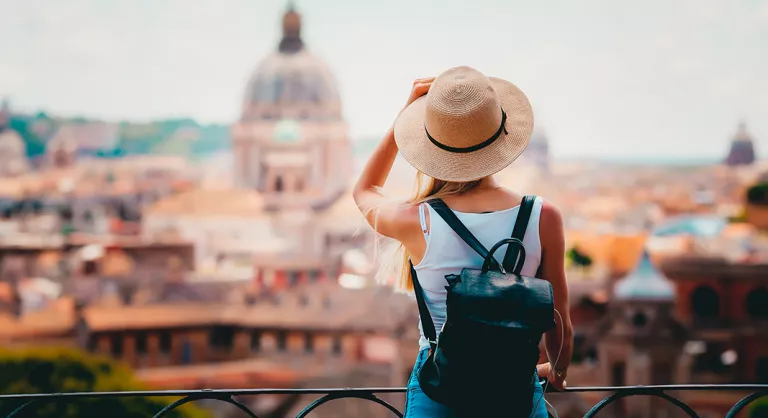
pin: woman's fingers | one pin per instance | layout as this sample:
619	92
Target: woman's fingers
424	80
543	370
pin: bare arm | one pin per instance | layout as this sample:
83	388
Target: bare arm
394	220
553	270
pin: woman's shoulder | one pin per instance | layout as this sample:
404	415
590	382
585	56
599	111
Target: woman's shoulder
550	213
551	227
399	220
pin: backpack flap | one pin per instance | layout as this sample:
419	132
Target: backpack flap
505	300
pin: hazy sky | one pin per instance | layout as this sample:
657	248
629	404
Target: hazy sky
606	77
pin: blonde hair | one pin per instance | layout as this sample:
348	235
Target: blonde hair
426	188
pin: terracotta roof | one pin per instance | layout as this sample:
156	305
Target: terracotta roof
128	241
11	187
210	202
116	263
256	372
100	318
56	319
6	292
310	306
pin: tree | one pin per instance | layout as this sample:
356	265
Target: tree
50	370
578	258
759	409
758	194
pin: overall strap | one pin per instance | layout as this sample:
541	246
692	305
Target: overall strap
427	325
511	262
460	229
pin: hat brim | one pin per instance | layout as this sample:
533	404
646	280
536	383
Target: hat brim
422	154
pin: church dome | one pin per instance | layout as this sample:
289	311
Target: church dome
291	83
644	283
742	148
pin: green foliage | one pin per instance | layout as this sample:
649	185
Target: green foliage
158	138
758	194
740	218
134	138
578	258
50	370
34	141
759	409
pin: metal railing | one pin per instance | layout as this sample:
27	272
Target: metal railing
27	402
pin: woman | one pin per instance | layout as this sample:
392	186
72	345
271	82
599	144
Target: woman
458	130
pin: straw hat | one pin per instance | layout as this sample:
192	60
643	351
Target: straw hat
467	127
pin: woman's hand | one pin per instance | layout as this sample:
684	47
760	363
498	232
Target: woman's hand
420	87
394	221
545	370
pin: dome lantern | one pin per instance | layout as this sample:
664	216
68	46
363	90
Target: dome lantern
291	42
292	83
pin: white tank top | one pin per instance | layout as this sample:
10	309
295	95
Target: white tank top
446	253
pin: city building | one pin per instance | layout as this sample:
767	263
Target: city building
291	142
13	150
74	141
538	152
742	150
290	213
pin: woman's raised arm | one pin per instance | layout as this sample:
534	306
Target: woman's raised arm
385	216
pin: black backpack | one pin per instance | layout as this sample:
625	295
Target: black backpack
485	357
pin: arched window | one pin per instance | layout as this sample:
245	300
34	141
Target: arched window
90	268
293	278
221	338
88	217
117	345
336	345
757	303
279	184
140	340
255	341
282	341
639	319
705	302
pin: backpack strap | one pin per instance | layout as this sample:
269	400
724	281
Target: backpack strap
427	325
460	229
511	262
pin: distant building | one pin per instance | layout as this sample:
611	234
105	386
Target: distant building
291	143
538	151
290	214
642	342
742	148
13	149
76	140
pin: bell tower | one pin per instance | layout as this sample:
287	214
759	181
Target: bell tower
642	341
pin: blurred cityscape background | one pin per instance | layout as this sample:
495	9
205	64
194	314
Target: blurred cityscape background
179	253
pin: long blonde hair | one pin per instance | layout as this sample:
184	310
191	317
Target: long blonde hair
425	188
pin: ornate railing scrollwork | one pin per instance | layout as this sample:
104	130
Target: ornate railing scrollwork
28	402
